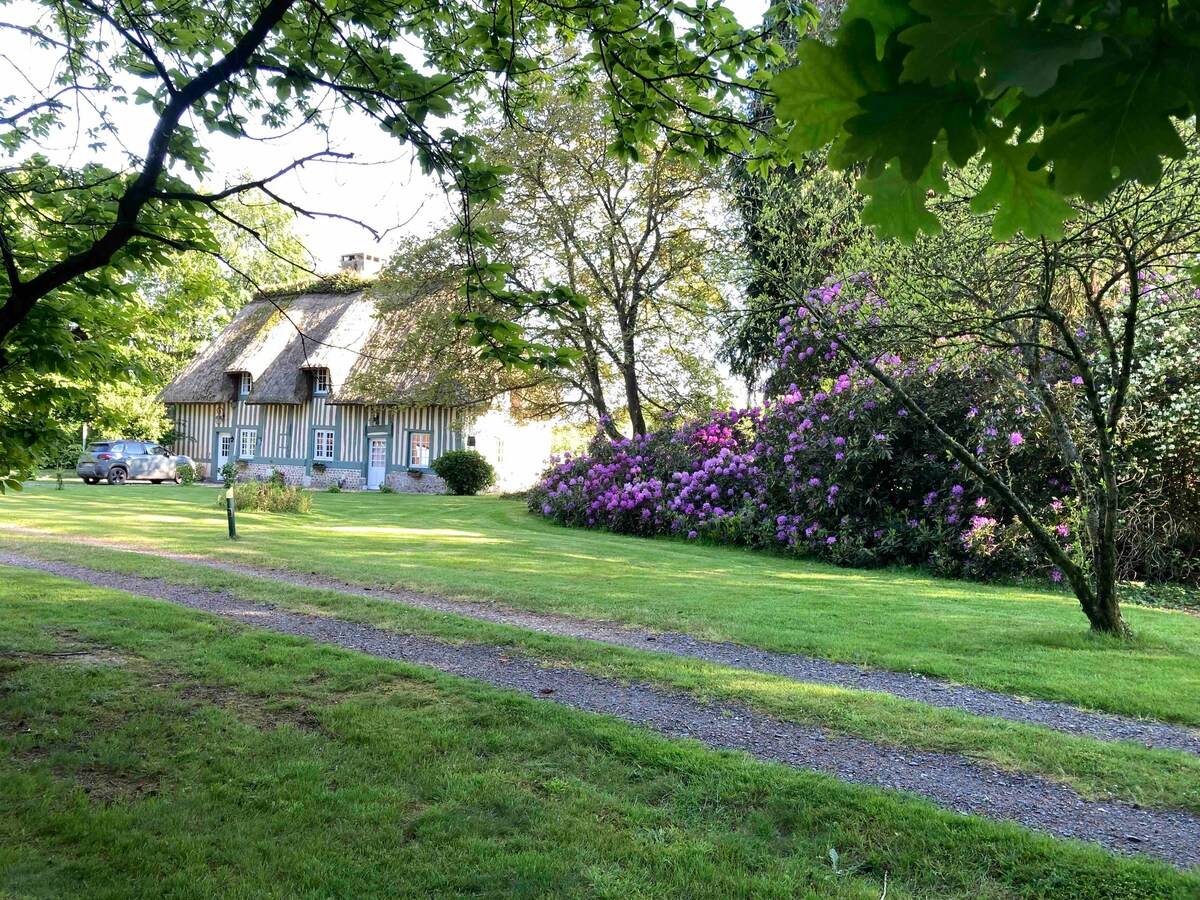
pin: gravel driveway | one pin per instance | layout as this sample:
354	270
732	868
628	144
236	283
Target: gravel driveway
905	685
951	781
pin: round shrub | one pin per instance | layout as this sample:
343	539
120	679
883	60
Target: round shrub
465	472
186	473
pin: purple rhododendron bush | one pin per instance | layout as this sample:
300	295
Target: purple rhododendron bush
843	474
835	467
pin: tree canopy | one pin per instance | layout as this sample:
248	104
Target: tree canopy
640	245
102	360
637	246
1060	99
674	69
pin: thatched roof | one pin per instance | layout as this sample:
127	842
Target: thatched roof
278	341
280	338
371	381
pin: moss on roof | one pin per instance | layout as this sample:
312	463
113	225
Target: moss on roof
338	283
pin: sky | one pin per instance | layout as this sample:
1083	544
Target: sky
382	186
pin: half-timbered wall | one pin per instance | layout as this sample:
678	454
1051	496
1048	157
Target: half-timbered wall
285	433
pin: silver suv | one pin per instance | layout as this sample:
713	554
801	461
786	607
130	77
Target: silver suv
119	461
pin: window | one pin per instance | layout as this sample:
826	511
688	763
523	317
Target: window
247	443
419	444
322	445
321	381
244	382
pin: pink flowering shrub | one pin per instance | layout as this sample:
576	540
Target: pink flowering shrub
695	477
841	473
835	467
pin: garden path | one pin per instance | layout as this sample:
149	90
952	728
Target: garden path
951	781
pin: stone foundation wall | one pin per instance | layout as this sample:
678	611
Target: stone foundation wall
349	479
263	471
404	483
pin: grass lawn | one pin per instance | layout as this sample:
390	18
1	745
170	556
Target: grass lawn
178	755
1097	769
1026	642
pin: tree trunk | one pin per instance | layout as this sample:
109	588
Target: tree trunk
1105	613
633	397
634	400
1105	609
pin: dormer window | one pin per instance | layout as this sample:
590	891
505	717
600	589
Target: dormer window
320	381
244	383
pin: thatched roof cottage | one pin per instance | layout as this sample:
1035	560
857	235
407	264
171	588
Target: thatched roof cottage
280	388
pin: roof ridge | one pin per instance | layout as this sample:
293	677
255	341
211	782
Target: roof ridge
337	283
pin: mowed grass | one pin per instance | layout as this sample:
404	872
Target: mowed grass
1097	769
182	756
1021	641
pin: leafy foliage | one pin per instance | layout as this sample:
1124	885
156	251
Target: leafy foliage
634	243
99	360
466	472
1058	99
844	475
799	224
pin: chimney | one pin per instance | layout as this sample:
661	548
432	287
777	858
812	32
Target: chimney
362	263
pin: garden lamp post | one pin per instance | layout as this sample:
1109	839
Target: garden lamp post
229	512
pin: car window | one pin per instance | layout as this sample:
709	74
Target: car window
118	449
99	448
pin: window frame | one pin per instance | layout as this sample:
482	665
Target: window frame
320	375
241	443
316	444
245	384
428	449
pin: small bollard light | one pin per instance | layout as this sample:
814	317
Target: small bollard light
229	513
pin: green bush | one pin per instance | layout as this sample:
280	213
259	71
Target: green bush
334	488
228	473
464	471
277	479
386	489
263	496
186	473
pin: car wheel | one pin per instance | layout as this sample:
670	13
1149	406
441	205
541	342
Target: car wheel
156	481
117	475
177	479
92	480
